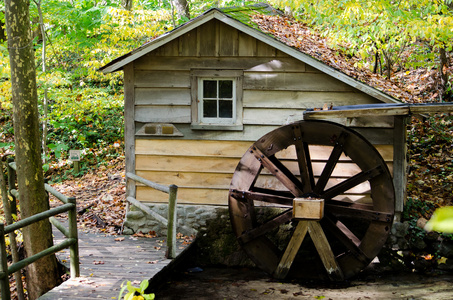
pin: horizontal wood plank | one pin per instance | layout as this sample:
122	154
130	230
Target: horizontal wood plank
248	64
236	149
162	96
164	114
296	99
293	82
189	179
185	196
268	116
192	148
162	79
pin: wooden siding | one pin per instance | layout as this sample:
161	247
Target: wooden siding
272	80
277	89
205	168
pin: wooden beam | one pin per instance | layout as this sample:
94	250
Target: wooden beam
378	110
325	252
291	250
354	113
400	162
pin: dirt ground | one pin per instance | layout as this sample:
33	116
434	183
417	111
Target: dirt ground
228	283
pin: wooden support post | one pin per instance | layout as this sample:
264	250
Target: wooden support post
171	227
76	167
400	163
73	249
4	281
291	250
12	185
12	235
325	252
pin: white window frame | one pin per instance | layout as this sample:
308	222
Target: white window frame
200	122
201	99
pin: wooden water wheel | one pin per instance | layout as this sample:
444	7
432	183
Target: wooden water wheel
283	189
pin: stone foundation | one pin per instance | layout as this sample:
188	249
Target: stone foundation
191	218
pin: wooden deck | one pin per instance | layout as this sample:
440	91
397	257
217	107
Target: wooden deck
107	261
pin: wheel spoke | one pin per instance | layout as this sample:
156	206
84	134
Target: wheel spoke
266	227
280	172
325	252
261	195
358	213
351	182
291	250
330	164
346	237
304	160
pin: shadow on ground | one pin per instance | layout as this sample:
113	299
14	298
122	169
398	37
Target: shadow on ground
247	283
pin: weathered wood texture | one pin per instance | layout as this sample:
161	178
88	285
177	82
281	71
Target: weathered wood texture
277	89
106	263
202	170
279	85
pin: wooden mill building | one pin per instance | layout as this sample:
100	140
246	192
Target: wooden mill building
198	96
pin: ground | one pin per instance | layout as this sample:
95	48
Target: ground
229	283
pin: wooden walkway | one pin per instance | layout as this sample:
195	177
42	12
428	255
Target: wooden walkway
107	261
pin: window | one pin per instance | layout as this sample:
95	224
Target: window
217	99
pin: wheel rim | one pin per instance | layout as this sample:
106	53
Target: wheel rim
282	165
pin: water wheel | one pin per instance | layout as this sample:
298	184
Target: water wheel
312	198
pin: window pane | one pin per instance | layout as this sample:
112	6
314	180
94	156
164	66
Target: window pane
209	89
226	89
225	109
210	109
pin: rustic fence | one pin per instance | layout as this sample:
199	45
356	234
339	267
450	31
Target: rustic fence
172	191
69	205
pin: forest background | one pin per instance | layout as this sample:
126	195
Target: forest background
407	42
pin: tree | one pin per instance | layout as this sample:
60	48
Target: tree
384	29
43	274
127	4
182	9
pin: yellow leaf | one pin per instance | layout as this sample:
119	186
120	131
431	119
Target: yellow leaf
442	220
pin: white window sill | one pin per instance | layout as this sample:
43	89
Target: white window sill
230	127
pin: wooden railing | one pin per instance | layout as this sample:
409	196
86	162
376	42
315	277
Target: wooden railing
69	205
172	191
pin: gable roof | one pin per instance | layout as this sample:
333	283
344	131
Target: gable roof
240	19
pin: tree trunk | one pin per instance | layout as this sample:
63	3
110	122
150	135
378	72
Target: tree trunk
43	274
182	8
443	70
127	4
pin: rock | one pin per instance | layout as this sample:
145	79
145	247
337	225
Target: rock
135	214
400	229
446	249
128	231
421	223
418	243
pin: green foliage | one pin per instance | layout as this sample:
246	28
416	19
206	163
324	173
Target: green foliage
136	293
382	29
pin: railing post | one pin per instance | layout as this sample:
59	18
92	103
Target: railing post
171	227
12	185
4	282
73	249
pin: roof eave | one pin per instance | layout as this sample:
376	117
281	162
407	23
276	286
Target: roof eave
120	62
